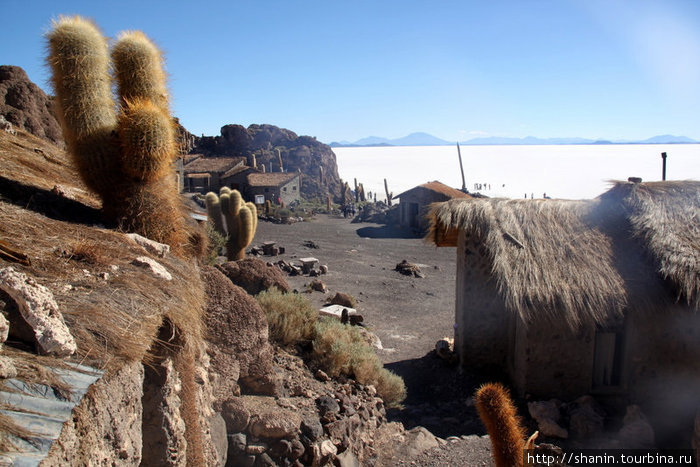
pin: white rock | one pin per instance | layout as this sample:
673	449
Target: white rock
328	448
4	329
151	246
40	310
154	266
7	368
547	415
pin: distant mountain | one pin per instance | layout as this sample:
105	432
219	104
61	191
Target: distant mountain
425	139
668	139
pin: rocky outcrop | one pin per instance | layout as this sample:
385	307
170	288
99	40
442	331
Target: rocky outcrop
298	153
26	106
238	339
254	275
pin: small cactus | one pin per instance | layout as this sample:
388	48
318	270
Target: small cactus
499	415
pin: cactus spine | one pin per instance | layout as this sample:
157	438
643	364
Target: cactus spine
496	410
126	159
389	196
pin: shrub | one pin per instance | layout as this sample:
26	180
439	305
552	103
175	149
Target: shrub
342	349
216	244
290	317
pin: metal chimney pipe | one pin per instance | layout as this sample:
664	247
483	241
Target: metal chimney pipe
663	166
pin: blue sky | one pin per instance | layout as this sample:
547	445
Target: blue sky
343	70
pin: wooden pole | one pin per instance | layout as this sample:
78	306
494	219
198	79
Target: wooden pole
461	168
663	166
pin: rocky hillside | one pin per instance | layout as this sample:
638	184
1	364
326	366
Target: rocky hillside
26	106
303	153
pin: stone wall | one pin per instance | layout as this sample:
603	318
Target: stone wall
550	360
663	370
481	332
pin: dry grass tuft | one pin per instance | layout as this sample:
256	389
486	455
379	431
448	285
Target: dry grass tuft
341	349
290	317
86	251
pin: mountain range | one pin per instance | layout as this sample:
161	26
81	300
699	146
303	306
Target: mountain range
425	139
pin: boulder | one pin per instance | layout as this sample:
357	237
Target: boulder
547	415
238	337
235	415
586	417
151	246
254	275
38	309
636	431
343	299
153	266
280	423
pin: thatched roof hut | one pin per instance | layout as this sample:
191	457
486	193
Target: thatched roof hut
560	257
573	297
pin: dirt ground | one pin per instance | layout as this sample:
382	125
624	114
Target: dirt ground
408	314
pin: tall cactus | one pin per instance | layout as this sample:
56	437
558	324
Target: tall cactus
389	196
499	415
125	158
241	222
279	159
214	212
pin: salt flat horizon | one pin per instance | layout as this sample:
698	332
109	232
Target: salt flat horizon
562	171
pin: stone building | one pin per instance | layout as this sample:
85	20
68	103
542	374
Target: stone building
204	174
594	297
274	186
415	203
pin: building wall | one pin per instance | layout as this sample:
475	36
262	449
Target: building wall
663	371
291	191
549	360
288	192
481	331
416	217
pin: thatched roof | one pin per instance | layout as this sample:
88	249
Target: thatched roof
437	187
585	260
213	164
275	179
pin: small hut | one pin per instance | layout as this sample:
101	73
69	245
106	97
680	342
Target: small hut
205	174
275	186
415	203
584	297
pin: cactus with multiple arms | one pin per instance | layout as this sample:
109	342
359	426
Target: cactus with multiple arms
241	220
125	158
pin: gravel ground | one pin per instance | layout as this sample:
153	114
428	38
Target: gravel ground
408	314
